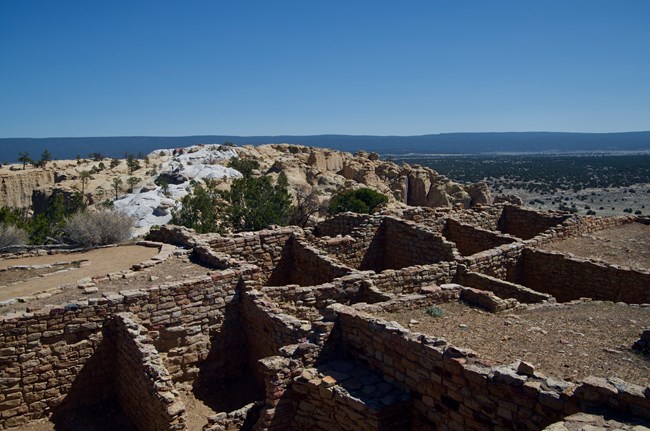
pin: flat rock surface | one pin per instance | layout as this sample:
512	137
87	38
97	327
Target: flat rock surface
569	341
626	245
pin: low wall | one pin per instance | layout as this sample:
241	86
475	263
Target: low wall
503	289
59	357
568	278
526	223
269	327
411	279
142	383
450	390
340	224
470	240
406	244
310	266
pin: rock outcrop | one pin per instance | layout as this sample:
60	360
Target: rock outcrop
167	175
324	171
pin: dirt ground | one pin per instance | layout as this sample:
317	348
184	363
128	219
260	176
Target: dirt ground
626	245
99	261
569	341
175	268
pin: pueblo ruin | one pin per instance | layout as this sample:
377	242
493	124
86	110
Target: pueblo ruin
295	329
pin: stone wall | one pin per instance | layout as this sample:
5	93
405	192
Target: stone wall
341	224
411	279
503	289
470	240
452	391
568	278
309	266
525	223
406	244
59	357
142	383
499	262
53	360
268	249
268	327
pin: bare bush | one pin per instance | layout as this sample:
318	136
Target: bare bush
12	235
100	227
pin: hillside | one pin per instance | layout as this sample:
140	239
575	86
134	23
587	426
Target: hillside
310	171
444	143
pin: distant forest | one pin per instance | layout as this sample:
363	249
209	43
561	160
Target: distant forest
444	143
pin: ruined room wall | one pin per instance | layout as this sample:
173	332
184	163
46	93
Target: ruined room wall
500	262
321	408
341	224
143	385
58	357
572	278
470	240
312	267
268	327
451	391
52	360
580	225
525	223
268	249
360	248
411	279
503	289
406	244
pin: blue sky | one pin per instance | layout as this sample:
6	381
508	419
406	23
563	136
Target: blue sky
115	68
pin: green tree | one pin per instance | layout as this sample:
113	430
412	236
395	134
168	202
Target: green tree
46	157
201	210
132	182
132	163
363	200
84	176
117	185
244	166
24	158
255	203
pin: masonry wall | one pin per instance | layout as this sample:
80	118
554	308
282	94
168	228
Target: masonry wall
59	357
525	224
470	240
268	249
450	391
503	289
406	244
310	266
411	279
268	328
361	248
341	224
143	385
52	360
571	278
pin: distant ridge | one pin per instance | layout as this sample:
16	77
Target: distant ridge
443	143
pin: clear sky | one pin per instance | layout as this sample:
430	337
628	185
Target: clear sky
136	67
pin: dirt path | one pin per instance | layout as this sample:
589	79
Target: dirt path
100	261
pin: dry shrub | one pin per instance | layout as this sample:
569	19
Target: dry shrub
100	227
12	235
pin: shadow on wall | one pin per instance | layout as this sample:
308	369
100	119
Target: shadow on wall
91	403
225	381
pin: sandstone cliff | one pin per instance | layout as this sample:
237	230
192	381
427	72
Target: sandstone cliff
316	171
324	171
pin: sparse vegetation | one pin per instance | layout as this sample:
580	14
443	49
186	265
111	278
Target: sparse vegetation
12	235
94	228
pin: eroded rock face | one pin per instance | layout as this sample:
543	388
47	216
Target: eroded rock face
16	188
324	171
